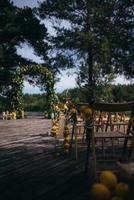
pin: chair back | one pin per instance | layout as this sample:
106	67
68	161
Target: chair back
114	107
112	110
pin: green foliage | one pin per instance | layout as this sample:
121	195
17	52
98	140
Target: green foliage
95	37
35	102
38	102
76	95
17	26
46	81
111	93
123	93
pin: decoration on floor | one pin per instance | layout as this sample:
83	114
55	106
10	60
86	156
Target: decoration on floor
8	115
109	189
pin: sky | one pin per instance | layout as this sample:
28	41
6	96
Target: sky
66	81
27	52
30	3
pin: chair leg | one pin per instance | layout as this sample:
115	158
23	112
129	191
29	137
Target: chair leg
131	151
72	136
94	159
76	148
113	150
124	149
125	142
103	150
87	155
84	132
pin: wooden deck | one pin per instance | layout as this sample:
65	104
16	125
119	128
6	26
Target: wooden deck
30	169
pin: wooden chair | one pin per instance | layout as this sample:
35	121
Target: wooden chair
106	137
77	135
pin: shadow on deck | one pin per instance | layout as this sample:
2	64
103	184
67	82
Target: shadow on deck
37	172
30	169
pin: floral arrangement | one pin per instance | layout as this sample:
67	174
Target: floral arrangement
55	128
16	94
66	134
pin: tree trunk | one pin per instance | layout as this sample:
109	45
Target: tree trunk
90	77
90	56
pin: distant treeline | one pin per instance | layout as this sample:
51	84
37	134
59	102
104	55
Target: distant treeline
112	93
34	102
109	93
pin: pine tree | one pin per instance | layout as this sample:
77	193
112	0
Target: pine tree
18	26
95	37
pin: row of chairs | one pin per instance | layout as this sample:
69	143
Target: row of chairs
109	136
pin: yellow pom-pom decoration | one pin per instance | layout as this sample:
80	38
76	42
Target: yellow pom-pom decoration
66	145
122	190
13	115
109	179
82	109
54	131
100	192
66	133
86	112
67	139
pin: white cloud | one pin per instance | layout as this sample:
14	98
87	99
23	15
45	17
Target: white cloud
123	80
30	89
66	82
27	52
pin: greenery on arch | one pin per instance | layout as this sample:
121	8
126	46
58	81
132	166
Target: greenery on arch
45	81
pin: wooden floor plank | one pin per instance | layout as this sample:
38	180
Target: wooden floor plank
31	169
29	166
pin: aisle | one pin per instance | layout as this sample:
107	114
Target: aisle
30	168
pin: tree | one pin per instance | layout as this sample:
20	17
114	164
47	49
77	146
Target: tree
122	93
95	37
18	26
35	102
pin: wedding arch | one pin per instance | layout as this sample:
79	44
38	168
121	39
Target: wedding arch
46	82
